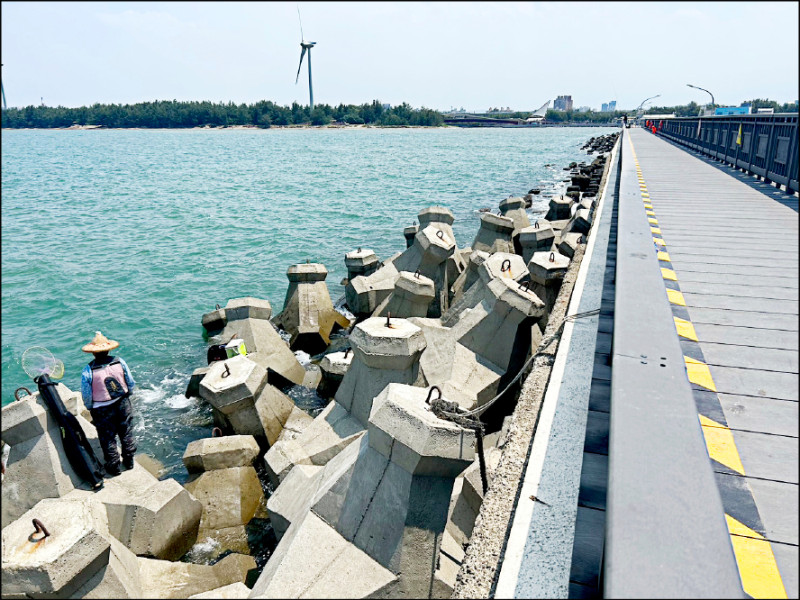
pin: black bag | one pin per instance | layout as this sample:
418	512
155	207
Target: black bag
76	446
216	352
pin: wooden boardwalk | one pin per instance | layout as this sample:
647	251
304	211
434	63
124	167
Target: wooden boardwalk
729	258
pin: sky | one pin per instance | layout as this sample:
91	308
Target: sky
474	55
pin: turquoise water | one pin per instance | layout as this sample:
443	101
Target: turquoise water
139	233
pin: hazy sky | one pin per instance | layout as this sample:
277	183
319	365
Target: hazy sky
438	55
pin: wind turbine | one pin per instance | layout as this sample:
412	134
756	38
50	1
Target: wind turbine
305	46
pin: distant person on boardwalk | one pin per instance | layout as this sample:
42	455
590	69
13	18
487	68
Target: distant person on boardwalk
106	386
625	121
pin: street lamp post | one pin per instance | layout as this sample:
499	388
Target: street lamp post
639	109
706	91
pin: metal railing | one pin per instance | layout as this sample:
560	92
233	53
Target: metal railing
762	145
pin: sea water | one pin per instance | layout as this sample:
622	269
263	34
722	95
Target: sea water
138	233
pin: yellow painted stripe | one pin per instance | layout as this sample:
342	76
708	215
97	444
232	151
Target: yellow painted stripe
668	274
645	195
662	256
676	297
659	241
699	373
652	221
720	444
757	566
655	230
649	212
648	205
685	329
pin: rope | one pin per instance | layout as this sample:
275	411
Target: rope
542	347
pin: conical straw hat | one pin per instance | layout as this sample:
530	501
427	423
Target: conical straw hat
100	343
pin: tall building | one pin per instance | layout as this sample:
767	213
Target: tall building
612	106
604	107
563	103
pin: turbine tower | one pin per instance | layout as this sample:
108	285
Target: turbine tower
3	90
305	46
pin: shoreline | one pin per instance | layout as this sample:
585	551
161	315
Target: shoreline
282	127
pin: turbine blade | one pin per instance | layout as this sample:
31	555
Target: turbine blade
302	37
302	54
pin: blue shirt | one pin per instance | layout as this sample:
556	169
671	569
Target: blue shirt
86	381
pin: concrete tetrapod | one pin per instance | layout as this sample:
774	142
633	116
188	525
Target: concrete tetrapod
514	209
150	517
412	295
547	272
360	262
381	355
560	209
70	553
495	234
37	463
439	217
308	314
468	276
384	509
536	238
248	320
333	367
242	400
236	309
365	292
428	256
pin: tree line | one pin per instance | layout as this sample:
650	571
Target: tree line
175	114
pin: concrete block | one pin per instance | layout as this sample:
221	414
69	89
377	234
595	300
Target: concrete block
222	452
266	348
308	314
215	320
274	409
314	561
547	275
193	388
560	209
412	295
364	293
495	234
166	579
410	233
333	366
232	385
360	262
504	265
297	422
536	238
569	242
286	504
439	217
238	309
418	441
514	209
229	497
468	276
60	564
581	221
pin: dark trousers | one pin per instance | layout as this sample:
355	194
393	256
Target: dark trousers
112	421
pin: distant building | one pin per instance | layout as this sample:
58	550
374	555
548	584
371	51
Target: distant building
584	109
604	107
385	106
563	103
612	106
732	110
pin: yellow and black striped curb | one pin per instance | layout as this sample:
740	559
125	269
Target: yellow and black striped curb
754	557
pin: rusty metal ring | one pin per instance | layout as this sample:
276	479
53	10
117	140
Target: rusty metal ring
503	267
440	234
388	321
430	393
18	390
227	371
536	225
40	528
580	239
216	432
218	307
417	273
552	257
359	248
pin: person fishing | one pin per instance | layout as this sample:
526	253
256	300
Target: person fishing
106	386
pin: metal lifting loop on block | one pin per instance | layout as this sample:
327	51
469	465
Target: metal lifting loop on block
218	307
552	257
388	321
227	371
580	239
440	234
430	393
359	248
347	351
536	225
18	390
506	266
39	528
416	273
216	432
524	286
